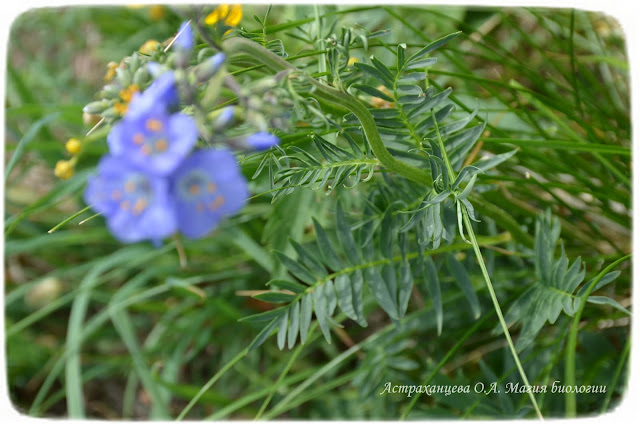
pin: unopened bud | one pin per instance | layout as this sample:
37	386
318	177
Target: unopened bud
96	107
209	67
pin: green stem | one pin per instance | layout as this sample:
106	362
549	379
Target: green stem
570	355
337	97
485	274
496	304
212	381
616	376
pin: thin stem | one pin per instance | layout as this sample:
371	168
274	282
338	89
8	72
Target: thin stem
616	375
570	355
485	274
496	304
212	381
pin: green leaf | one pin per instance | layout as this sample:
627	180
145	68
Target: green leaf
306	308
325	246
294	325
320	308
345	236
603	300
282	330
384	293
275	297
374	72
295	268
288	285
432	46
264	333
373	92
433	286
493	161
462	280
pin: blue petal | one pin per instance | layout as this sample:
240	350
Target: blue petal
184	40
262	140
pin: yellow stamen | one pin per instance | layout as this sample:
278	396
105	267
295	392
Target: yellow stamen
146	150
129	186
127	93
121	108
211	188
219	201
352	60
161	145
194	189
116	195
138	138
126	205
154	125
140	206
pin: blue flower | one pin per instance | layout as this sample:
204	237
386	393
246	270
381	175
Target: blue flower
135	204
161	91
154	141
184	39
206	187
262	141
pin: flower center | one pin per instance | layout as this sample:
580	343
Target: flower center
135	195
198	189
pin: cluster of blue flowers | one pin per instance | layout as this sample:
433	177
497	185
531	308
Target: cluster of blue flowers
154	182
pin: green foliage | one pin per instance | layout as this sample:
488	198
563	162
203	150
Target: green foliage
556	282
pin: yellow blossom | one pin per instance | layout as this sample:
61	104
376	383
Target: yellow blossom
149	47
64	169
231	14
111	71
352	60
157	12
127	93
73	146
121	108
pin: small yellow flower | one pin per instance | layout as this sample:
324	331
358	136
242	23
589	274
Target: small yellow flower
157	12
64	169
111	71
127	93
73	146
149	47
352	60
230	14
121	108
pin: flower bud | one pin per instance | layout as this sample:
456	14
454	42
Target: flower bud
64	169
43	293
141	76
96	107
262	141
73	146
223	117
209	67
90	119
